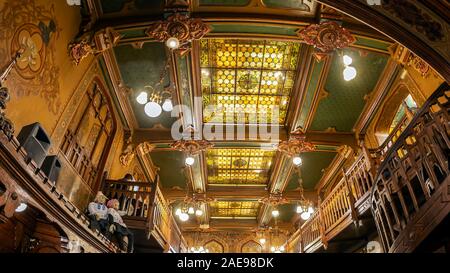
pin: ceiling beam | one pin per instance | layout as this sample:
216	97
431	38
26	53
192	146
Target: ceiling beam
231	224
247	193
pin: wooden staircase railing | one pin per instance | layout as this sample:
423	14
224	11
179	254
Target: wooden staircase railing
341	207
147	210
411	194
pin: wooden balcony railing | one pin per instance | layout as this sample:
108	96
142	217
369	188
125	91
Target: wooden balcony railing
410	195
147	210
341	207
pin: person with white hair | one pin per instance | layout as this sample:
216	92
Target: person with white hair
98	214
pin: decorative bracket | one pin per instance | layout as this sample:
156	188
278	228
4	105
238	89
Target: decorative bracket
93	43
191	147
326	37
179	26
296	144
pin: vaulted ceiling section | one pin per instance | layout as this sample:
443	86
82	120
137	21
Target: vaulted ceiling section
252	63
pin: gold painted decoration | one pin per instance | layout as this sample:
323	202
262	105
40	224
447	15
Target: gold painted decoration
327	36
33	29
191	147
90	43
179	26
296	145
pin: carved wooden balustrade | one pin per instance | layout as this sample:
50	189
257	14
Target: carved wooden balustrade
411	194
392	138
348	200
147	210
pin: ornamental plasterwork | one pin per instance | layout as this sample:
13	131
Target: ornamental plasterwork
296	144
129	150
192	147
326	37
93	43
180	26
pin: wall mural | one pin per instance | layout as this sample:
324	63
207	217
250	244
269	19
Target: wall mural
32	29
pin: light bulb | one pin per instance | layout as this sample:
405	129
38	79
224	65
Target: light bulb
199	212
347	60
142	98
167	105
178	212
262	241
21	207
282	248
189	160
275	213
299	209
310	210
191	210
350	73
272	249
152	109
297	161
305	215
184	217
173	43
201	248
192	249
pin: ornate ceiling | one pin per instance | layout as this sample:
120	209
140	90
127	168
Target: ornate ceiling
253	60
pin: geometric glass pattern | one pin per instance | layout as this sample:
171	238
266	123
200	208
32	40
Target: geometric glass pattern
227	209
243	166
246	81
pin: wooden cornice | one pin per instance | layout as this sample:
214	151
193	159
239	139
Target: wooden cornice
231	224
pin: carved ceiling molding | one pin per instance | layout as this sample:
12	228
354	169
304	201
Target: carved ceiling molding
296	144
274	199
129	150
192	147
326	37
180	26
406	58
93	43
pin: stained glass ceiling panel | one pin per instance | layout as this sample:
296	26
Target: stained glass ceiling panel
234	209
239	166
251	77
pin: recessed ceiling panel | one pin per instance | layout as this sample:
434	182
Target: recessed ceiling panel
239	166
227	209
245	81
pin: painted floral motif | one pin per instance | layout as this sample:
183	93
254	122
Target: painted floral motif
29	40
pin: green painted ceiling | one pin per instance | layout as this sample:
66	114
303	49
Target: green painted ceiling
171	164
311	170
141	67
345	100
287	211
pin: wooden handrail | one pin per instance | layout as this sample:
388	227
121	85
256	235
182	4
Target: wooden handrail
414	170
339	204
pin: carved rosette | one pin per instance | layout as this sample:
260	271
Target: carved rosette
180	26
327	37
93	44
296	144
191	147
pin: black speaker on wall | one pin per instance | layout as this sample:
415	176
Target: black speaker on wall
51	167
35	141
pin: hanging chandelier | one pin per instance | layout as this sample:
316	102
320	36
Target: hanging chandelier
156	99
305	208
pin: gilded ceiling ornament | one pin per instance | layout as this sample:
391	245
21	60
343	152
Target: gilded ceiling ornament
128	152
90	43
327	37
179	26
192	147
274	199
405	57
296	144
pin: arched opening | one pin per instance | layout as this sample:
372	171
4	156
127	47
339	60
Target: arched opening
251	247
214	246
